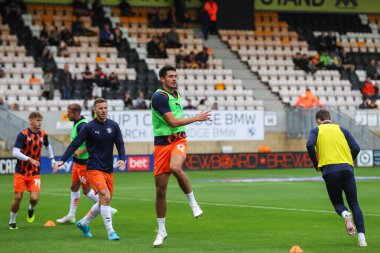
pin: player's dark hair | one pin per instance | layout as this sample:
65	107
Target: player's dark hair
75	108
99	100
165	69
35	115
323	115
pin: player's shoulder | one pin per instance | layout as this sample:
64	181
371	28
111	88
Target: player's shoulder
89	123
314	130
343	129
24	132
42	132
113	123
160	95
83	121
86	125
22	135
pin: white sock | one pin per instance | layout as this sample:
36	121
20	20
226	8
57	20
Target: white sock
161	224
191	198
345	214
91	215
107	218
94	197
361	237
74	200
12	218
31	207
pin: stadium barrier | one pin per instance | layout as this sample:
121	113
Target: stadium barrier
11	124
235	161
276	160
133	163
300	121
136	125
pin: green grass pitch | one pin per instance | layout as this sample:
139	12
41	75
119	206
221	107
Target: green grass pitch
238	217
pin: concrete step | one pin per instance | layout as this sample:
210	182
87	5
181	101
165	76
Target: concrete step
263	94
253	84
222	54
273	105
243	73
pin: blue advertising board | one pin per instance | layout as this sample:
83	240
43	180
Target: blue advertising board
132	163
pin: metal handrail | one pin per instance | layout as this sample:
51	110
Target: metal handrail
300	121
11	125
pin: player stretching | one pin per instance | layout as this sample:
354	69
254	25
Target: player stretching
79	174
100	135
170	145
337	150
27	150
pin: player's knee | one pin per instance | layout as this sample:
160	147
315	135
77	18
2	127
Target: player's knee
17	199
176	169
74	188
106	199
34	200
353	205
86	190
161	191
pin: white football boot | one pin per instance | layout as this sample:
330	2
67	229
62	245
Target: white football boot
66	219
197	211
361	240
161	236
350	227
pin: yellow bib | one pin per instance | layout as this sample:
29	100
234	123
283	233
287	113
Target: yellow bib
332	146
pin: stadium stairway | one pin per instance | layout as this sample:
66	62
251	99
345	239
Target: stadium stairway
241	71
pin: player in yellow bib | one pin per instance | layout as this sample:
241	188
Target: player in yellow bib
337	150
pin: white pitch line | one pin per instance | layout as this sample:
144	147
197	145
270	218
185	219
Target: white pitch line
228	205
279	180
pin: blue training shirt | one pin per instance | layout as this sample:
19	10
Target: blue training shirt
100	138
332	168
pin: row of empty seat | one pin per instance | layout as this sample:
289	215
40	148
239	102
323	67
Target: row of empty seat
274	65
86	52
194	83
18	67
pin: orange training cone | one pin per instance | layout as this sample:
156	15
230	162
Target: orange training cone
49	223
296	248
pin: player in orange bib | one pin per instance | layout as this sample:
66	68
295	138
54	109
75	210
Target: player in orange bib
27	150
